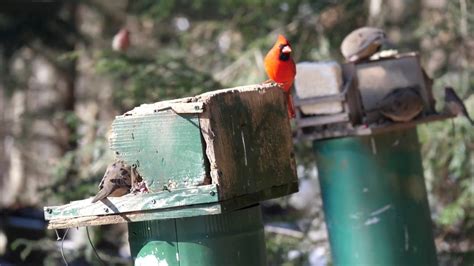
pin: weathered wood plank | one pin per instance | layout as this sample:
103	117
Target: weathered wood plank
181	212
248	139
130	203
179	106
168	145
322	120
176	212
256	197
319	99
371	129
353	103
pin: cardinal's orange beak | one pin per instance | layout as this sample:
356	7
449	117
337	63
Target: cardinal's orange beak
286	49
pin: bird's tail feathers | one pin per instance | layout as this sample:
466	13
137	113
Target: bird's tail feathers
102	194
291	108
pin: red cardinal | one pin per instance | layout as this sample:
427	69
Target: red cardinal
121	41
281	68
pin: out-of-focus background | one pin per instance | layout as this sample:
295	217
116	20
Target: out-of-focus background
61	86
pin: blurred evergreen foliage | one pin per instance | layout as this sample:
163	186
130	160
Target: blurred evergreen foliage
150	80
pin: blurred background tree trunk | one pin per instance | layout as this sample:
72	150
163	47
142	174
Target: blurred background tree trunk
39	113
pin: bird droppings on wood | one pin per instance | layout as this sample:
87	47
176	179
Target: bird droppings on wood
373	145
371	221
381	210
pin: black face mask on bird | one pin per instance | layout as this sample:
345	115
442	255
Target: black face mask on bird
285	51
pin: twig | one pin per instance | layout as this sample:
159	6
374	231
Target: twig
93	248
62	245
284	231
463	20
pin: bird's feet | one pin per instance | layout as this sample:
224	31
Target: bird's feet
272	81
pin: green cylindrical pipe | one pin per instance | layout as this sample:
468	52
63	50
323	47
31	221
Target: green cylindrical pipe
235	238
375	200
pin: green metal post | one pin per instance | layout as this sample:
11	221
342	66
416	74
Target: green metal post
234	238
375	200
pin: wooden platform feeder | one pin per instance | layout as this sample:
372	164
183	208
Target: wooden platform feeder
347	96
210	154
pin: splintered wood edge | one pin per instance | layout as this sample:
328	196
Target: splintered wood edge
192	105
208	136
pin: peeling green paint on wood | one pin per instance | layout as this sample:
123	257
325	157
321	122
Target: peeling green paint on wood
166	147
162	214
140	202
